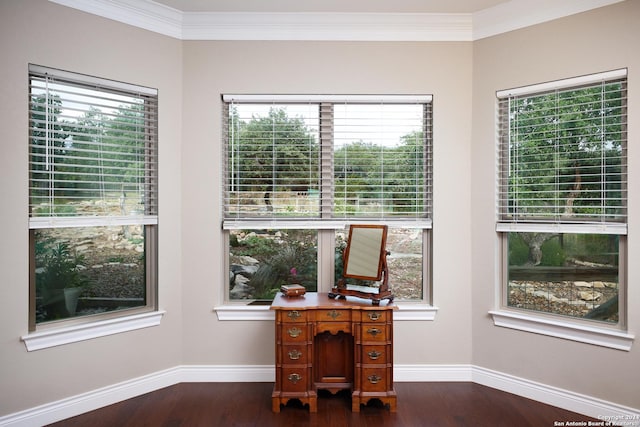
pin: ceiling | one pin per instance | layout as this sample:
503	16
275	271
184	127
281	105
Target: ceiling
350	6
333	20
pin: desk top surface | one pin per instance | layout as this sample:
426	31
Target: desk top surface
315	300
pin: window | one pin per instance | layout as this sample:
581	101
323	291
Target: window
299	169
562	198
93	208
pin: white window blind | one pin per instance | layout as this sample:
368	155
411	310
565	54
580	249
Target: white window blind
321	162
93	151
272	161
382	161
563	156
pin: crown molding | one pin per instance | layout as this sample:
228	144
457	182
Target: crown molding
327	26
516	14
145	14
308	26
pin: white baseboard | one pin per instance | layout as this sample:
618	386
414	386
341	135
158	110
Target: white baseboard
565	399
228	374
432	373
81	403
76	405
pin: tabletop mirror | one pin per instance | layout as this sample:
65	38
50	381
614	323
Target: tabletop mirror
365	258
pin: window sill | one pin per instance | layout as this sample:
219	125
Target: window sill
406	311
618	340
54	337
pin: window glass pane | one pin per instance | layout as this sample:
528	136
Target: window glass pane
88	270
261	261
566	274
90	150
404	262
565	159
380	160
272	161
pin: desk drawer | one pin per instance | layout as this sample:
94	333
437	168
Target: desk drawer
374	332
378	316
333	315
294	379
294	354
293	333
374	354
374	379
293	316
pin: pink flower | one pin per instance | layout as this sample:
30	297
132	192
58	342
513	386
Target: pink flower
293	271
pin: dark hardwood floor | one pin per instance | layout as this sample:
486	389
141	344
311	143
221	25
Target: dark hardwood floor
249	404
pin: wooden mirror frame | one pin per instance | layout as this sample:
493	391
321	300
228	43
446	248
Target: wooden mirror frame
365	258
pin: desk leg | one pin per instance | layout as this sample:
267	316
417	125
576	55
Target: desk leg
355	402
277	401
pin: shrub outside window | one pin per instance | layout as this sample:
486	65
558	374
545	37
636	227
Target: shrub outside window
298	169
562	198
93	197
262	260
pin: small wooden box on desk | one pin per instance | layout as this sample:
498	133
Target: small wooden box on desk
333	344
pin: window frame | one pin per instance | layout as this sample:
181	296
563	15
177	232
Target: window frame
326	227
551	324
78	328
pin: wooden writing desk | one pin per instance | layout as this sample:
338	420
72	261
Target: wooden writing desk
333	344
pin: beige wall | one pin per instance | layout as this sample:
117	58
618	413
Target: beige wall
600	40
190	77
46	34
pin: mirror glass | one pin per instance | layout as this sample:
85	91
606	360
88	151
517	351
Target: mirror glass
364	254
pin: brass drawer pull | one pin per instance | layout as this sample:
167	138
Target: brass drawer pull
294	332
374	355
293	315
374	379
294	354
374	331
374	316
294	378
334	314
